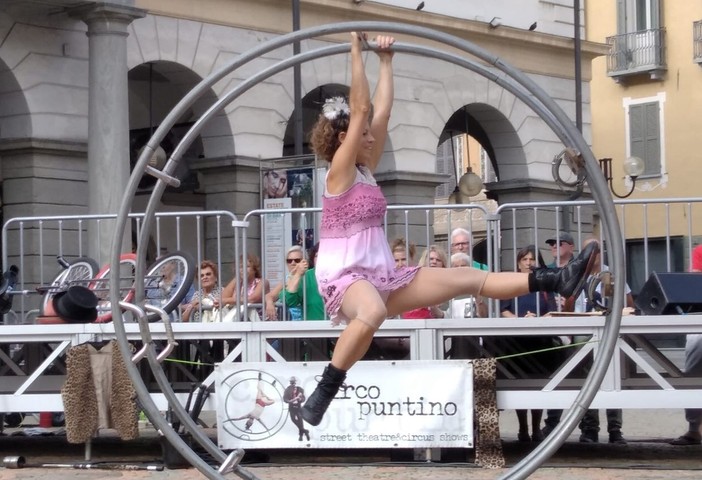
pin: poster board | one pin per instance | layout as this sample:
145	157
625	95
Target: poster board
409	404
276	227
289	183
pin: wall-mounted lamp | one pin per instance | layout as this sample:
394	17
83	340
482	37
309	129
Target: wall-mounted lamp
495	22
633	167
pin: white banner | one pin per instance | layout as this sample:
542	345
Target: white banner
408	404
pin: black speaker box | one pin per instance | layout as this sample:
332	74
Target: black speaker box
663	293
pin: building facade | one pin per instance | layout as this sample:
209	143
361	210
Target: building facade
84	84
646	97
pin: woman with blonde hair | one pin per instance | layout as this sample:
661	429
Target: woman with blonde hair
434	256
293	258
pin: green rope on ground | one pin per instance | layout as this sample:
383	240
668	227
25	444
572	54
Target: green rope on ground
188	362
576	344
503	357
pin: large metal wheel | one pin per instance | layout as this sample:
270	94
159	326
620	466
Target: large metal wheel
496	71
79	272
179	267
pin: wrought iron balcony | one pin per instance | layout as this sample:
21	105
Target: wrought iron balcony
636	53
697	41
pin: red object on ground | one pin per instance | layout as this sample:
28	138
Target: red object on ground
45	420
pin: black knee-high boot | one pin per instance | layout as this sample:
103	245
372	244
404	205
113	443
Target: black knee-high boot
317	403
569	280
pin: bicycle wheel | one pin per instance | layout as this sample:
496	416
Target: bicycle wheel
101	285
168	281
79	272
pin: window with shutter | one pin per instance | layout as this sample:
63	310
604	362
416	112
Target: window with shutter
445	165
638	15
645	136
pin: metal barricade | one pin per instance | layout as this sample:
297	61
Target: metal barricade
34	377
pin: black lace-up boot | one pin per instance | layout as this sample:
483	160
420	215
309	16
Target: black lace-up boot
569	280
317	403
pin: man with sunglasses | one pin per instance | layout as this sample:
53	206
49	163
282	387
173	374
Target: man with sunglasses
590	423
563	251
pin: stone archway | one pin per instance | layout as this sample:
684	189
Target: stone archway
154	89
311	107
15	132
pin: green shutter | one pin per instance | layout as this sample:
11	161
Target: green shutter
645	136
656	14
443	165
652	139
621	17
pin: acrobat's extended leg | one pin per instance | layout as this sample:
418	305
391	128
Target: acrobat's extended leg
363	303
432	286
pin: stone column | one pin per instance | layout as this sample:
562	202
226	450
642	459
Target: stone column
108	117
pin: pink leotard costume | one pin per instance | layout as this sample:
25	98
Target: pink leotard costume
353	245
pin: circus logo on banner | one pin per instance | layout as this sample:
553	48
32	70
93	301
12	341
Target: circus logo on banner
381	405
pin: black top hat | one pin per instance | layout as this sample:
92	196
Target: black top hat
78	304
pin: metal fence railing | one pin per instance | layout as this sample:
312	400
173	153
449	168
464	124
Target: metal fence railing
697	41
636	52
659	236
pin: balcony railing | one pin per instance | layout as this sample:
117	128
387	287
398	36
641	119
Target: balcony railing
697	41
635	53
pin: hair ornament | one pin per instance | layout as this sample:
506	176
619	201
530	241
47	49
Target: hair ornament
335	106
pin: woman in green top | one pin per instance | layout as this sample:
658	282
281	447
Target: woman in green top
301	289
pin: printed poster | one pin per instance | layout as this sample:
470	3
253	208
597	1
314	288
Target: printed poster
409	404
275	226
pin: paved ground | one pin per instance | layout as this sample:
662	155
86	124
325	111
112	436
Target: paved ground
648	456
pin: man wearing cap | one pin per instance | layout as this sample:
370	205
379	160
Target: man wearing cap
563	251
693	366
590	423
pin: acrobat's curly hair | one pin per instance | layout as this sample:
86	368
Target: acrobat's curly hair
324	137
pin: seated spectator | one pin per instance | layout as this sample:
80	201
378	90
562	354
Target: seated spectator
301	290
207	297
464	307
461	243
403	253
251	285
165	281
469	306
434	256
293	257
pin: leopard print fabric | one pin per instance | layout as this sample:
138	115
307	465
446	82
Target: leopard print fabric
488	447
84	416
78	395
123	405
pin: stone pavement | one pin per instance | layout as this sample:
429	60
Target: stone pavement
363	473
648	456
